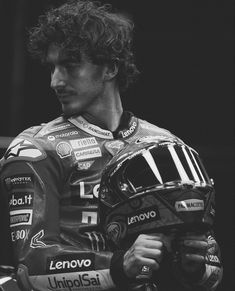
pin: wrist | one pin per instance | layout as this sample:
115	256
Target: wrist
117	272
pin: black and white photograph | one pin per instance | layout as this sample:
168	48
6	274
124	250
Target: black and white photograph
117	145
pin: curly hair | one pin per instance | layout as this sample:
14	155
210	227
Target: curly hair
86	27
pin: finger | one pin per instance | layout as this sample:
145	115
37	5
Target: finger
155	254
194	237
151	244
152	236
195	258
143	253
143	242
198	244
138	252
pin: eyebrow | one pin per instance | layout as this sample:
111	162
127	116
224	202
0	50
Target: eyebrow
61	60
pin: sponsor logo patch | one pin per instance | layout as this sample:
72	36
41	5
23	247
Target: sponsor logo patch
88	154
21	217
19	199
88	191
63	149
189	205
22	234
143	216
22	148
83	142
19	181
145	270
51	138
36	240
116	229
62	135
84	165
80	122
213	259
84	281
70	263
114	146
130	130
89	281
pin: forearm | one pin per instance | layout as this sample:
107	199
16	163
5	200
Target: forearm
45	269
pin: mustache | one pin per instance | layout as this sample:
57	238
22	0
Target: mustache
64	92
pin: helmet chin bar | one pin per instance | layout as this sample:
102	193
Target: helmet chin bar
175	210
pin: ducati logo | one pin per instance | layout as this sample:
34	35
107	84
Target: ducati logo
114	231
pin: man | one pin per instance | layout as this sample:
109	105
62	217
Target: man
51	173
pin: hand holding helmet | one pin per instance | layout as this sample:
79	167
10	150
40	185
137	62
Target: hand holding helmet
157	186
191	255
144	256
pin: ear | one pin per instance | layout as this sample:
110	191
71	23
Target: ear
111	70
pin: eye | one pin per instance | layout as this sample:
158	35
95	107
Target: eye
71	66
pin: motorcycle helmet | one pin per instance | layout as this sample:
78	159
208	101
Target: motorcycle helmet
155	185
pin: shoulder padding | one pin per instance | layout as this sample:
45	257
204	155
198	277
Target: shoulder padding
156	131
24	147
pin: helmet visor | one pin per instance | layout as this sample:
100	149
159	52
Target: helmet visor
163	165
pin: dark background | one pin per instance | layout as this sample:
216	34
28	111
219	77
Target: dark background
185	52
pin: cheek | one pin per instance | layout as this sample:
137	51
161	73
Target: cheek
88	80
93	82
98	74
95	75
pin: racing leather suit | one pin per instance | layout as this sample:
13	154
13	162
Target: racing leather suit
51	174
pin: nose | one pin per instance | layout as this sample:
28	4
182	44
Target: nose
58	78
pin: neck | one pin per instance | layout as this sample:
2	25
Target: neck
107	113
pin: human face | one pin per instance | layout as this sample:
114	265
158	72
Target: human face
79	85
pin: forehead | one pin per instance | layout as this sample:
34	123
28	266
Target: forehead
55	54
